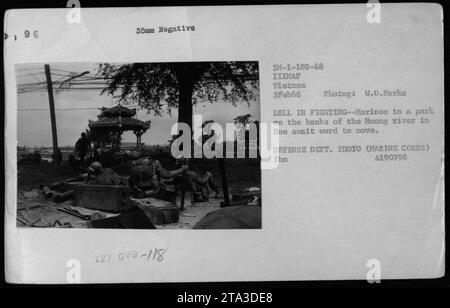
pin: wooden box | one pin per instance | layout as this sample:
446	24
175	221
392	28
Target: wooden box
107	198
160	212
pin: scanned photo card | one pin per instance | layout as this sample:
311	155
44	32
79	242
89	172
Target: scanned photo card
120	169
225	143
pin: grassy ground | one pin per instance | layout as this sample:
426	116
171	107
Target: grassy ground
241	173
30	176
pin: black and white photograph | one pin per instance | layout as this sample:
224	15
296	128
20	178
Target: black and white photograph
216	145
97	142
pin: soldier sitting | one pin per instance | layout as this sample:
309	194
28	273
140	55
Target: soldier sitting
201	183
146	175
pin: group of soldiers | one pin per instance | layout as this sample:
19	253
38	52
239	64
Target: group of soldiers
148	175
147	179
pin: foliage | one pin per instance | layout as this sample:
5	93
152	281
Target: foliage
151	85
154	151
101	137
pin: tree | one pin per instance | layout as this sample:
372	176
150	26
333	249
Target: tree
243	119
246	126
204	137
181	85
102	137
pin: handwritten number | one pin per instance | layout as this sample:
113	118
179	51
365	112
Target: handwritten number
27	34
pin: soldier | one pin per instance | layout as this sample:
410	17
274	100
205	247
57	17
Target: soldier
82	146
103	176
146	175
201	183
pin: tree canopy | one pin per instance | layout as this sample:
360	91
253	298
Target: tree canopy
159	87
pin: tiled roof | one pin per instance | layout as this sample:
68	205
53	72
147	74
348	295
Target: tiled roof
118	110
125	123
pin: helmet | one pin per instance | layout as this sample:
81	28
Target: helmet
95	167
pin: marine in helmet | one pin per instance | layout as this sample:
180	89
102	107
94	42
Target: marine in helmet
103	176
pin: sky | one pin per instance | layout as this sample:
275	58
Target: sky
74	108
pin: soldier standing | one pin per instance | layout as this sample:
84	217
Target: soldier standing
82	146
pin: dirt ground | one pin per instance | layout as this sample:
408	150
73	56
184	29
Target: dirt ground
33	210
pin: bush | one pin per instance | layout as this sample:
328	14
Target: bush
155	151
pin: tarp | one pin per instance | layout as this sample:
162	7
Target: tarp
232	217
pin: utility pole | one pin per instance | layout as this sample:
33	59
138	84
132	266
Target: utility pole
56	153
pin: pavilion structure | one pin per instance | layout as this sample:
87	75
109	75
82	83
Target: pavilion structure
117	120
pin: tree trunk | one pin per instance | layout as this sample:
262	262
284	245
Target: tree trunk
186	80
185	102
187	75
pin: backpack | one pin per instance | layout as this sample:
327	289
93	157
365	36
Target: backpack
142	174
